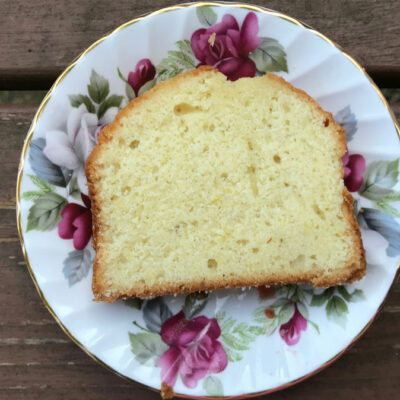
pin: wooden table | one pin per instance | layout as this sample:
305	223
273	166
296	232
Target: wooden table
38	38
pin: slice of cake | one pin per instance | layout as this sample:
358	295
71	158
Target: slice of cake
204	183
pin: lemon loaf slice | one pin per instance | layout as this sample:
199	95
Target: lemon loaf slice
203	183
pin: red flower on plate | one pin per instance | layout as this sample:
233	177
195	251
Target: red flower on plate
194	349
291	331
227	47
354	167
76	223
144	72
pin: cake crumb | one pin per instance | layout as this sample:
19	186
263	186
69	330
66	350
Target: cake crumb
166	391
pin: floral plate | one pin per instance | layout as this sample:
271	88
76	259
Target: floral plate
228	342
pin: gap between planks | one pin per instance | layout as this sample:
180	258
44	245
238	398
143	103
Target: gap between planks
387	76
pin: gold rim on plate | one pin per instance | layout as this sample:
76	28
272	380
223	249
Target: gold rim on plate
47	98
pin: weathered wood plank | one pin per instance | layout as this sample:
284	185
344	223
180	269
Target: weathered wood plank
14	124
38	361
37	41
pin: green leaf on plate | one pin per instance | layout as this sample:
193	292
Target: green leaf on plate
147	347
194	304
286	291
286	313
320	299
121	76
134	302
231	341
130	93
379	179
336	311
45	213
155	313
185	47
314	325
73	189
232	355
269	56
387	208
392	197
98	88
237	337
301	295
147	86
302	310
344	293
213	386
186	60
206	15
176	61
112	101
357	295
271	325
168	69
41	184
32	195
77	99
259	315
77	265
44	187
280	303
268	324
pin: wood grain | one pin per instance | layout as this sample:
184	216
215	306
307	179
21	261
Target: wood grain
38	361
37	40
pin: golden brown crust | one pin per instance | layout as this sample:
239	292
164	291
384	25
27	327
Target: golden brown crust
316	279
354	271
359	266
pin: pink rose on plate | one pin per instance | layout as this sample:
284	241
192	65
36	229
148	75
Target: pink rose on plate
194	349
291	331
144	72
71	147
76	223
227	47
354	167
